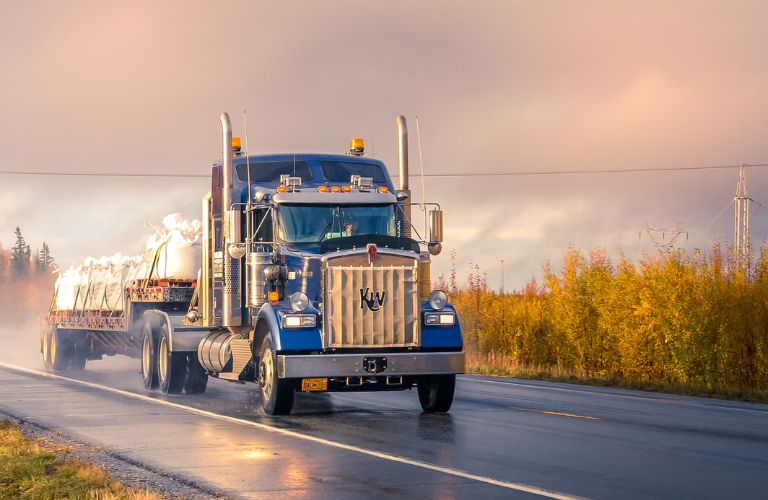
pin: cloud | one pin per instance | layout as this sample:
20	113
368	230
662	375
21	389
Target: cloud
498	87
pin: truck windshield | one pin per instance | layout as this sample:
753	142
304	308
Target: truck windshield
316	223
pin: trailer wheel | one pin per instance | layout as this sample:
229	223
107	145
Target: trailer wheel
45	348
436	392
148	357
197	378
60	348
276	393
171	366
79	355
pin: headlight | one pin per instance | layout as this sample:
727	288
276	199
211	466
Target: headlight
299	301
299	321
439	319
437	300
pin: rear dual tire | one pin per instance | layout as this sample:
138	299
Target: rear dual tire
63	350
171	372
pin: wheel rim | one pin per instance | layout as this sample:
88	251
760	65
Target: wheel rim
266	369
53	348
163	359
46	348
146	357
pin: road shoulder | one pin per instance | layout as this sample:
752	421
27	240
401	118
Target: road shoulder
123	470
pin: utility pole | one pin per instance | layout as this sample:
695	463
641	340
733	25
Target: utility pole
664	238
741	246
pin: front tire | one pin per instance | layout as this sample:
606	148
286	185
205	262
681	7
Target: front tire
436	393
171	366
276	393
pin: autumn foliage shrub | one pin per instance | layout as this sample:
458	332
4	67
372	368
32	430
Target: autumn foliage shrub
697	321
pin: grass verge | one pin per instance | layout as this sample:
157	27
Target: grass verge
33	470
502	365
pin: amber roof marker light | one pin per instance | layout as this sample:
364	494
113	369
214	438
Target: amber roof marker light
357	146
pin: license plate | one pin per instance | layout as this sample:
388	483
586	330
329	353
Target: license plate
314	384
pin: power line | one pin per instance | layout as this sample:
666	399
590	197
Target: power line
589	172
445	174
97	174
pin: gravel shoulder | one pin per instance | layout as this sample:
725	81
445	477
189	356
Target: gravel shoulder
123	470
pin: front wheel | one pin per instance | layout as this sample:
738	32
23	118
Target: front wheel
276	393
436	392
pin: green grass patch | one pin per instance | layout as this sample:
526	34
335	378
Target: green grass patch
32	470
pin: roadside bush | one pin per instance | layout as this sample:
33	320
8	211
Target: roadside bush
694	321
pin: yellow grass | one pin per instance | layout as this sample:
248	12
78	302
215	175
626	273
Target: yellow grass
32	470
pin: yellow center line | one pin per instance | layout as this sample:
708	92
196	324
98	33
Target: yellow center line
561	414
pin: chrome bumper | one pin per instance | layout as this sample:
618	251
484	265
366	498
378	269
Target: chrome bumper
351	365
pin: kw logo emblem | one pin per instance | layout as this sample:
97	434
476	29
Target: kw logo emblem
372	300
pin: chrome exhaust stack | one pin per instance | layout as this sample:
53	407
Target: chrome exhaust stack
231	313
405	193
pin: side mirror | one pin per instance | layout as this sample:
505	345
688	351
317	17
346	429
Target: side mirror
402	196
436	226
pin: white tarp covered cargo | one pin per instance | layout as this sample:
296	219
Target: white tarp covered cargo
172	252
174	249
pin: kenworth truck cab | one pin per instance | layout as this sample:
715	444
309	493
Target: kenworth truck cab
311	280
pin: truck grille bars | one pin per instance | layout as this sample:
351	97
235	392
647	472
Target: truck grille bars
371	306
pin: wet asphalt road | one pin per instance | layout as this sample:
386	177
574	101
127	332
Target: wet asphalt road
572	440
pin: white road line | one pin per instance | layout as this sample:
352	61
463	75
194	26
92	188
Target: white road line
306	437
582	389
612	395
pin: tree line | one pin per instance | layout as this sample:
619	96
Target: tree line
26	279
692	320
22	263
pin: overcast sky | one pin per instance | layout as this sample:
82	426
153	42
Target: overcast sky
498	87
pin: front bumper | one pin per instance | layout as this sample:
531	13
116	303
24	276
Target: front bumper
351	365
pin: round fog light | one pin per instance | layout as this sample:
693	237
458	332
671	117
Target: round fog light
438	299
299	301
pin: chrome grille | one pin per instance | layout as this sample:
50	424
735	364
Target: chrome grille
390	318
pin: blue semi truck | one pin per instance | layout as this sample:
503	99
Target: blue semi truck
313	279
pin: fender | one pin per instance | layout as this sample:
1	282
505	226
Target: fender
285	340
268	314
180	337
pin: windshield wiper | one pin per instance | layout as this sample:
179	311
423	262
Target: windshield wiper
325	231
